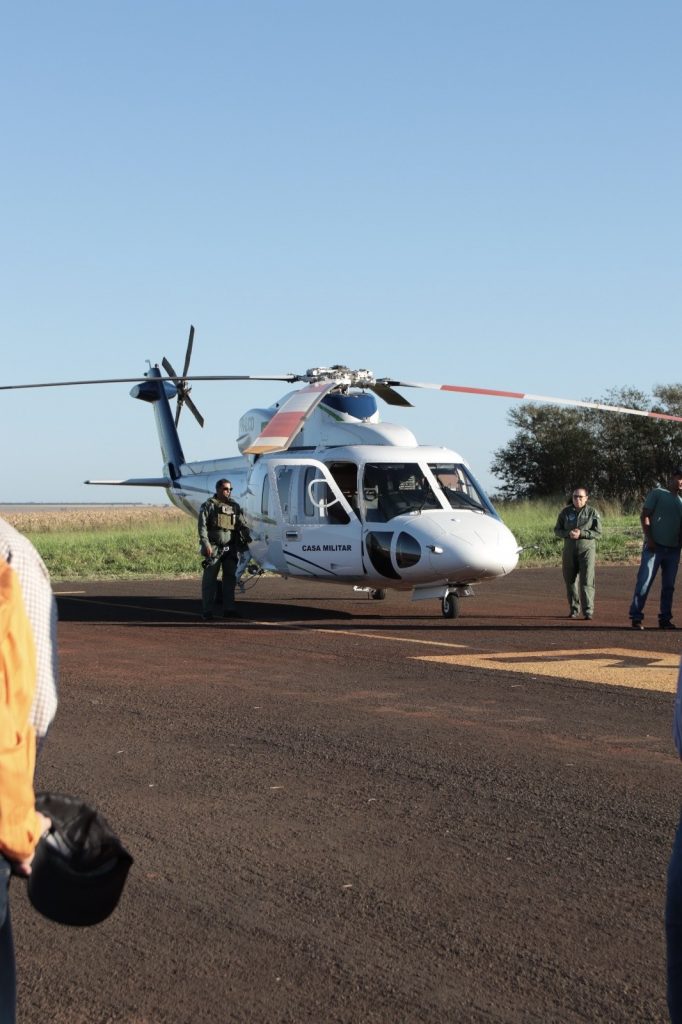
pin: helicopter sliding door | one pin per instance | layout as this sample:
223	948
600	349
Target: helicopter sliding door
321	533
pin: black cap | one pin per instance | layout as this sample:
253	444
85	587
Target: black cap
677	471
80	865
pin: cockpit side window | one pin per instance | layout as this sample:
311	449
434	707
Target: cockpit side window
460	488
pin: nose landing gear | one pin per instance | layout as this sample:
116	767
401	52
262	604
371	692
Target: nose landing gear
450	605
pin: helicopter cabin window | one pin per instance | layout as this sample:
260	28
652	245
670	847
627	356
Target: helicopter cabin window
392	489
320	504
265	496
310	510
459	487
284	475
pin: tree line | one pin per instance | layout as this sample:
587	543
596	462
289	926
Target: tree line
616	456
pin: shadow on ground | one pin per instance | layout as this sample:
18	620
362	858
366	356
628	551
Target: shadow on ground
180	611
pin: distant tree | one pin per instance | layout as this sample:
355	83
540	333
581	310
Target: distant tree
669	436
553	448
617	456
627	447
669	399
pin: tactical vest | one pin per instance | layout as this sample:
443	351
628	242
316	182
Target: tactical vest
221	520
223	517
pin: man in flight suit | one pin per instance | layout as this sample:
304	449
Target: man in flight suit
223	535
580	527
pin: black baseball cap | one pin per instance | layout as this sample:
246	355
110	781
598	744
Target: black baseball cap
79	867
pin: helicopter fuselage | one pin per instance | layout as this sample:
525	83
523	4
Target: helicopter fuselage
329	492
408	518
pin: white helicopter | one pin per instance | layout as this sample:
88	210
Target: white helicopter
331	493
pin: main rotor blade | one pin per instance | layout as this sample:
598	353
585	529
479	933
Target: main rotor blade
280	431
188	353
288	378
390	396
578	403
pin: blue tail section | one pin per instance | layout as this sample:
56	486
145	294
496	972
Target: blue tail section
157	392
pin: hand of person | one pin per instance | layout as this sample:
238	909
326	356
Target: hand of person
651	544
208	550
23	867
574	534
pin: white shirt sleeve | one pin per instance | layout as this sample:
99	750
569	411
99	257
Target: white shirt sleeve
41	609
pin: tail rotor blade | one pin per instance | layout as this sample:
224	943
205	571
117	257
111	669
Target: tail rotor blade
168	368
181	383
188	353
193	409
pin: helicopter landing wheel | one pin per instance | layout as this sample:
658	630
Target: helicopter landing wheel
378	595
450	606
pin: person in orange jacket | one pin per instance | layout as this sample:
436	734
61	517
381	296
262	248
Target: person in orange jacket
41	609
21	826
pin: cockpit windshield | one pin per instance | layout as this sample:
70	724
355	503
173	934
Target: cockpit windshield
395	488
460	488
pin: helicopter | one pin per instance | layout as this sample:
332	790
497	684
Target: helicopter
332	493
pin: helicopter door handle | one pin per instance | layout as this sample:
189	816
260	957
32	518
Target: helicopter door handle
291	534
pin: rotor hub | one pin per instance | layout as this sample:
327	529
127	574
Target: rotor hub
342	374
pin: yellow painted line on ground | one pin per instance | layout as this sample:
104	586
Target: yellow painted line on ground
608	666
393	639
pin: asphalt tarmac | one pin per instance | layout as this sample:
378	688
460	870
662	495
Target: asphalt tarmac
344	810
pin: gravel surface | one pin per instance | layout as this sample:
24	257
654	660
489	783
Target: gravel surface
351	811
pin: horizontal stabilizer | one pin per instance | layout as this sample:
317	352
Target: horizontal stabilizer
139	481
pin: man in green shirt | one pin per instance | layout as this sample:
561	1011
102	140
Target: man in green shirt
580	526
661	520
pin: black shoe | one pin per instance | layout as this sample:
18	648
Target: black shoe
666	624
232	613
207	616
637	624
587	615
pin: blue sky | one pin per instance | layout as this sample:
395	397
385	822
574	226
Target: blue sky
468	193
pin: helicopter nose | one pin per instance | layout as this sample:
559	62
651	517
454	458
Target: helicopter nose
471	546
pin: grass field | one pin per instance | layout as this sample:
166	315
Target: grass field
112	542
119	542
532	523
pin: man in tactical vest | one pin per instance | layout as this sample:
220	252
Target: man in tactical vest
223	535
580	527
